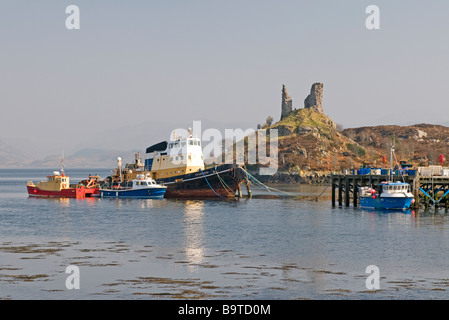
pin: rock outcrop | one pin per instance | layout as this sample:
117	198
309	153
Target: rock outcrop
315	98
287	103
310	143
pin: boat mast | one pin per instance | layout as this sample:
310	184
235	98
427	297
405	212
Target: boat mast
391	164
119	160
393	157
62	163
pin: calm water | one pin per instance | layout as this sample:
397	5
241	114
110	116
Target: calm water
238	249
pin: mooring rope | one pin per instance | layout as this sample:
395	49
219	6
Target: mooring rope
257	182
260	184
209	184
316	199
224	184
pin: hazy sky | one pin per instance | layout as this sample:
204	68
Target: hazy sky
139	68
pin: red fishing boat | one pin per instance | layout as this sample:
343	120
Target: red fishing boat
58	186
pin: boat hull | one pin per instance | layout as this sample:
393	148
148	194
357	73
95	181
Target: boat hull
218	182
80	192
387	203
144	193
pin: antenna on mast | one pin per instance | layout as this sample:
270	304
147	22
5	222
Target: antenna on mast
393	157
62	162
119	162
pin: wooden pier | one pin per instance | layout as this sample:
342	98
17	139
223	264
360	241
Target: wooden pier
429	191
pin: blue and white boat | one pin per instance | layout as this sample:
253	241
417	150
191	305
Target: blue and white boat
143	187
387	195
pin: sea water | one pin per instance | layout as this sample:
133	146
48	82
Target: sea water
266	247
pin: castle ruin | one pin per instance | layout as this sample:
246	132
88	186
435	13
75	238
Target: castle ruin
287	103
313	100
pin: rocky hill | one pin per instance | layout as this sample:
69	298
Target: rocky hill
311	146
310	141
419	144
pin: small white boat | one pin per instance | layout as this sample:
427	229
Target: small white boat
143	187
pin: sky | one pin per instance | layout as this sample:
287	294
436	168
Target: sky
136	70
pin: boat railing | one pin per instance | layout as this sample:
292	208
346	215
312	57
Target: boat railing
30	183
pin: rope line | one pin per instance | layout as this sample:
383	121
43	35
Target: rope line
316	199
225	186
256	182
209	184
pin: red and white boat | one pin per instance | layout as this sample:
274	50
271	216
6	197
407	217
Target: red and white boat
58	186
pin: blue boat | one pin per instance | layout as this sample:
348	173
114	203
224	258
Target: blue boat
387	195
143	187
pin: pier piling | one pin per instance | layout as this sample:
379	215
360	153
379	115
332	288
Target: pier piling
333	193
239	190
340	192
248	189
347	192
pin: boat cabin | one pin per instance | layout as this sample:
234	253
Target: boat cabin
55	182
385	188
397	187
166	159
173	158
143	182
392	188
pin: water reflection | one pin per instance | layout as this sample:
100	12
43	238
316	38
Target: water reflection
374	211
415	217
122	203
194	232
64	202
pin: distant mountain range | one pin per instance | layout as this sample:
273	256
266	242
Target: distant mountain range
11	157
